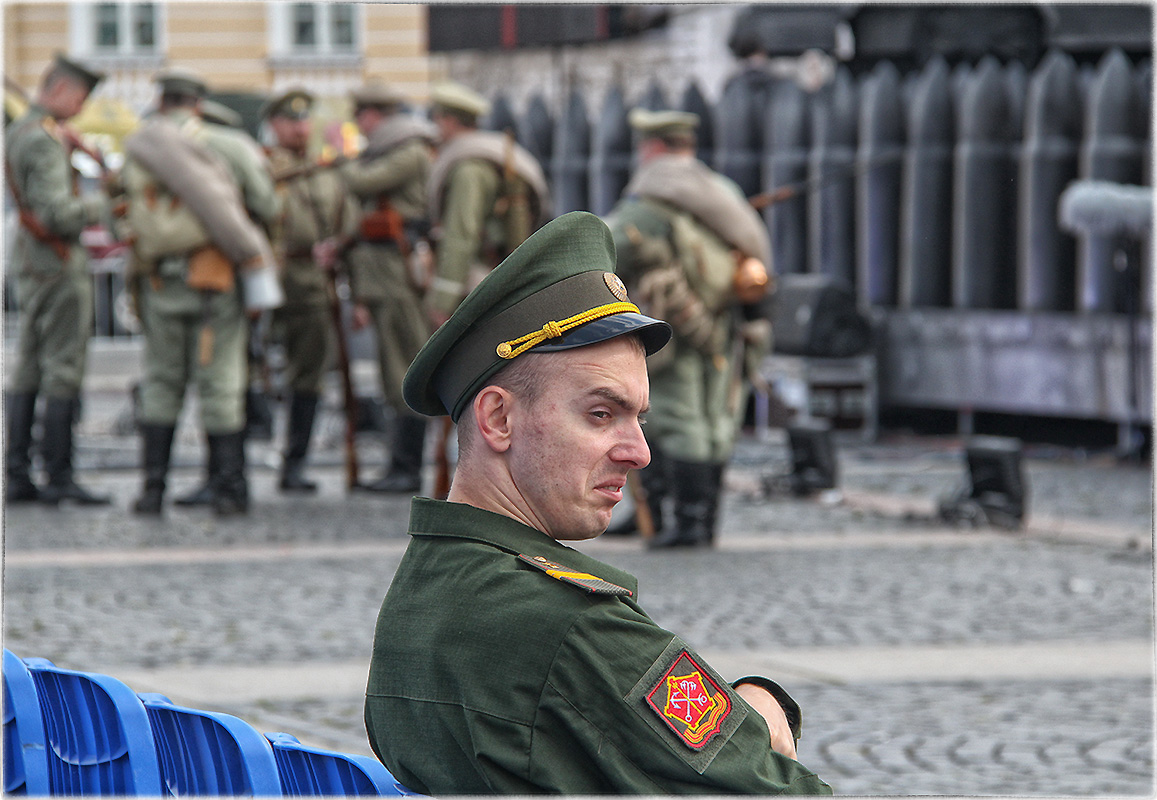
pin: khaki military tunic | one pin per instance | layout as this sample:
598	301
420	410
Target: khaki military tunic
492	675
196	336
380	277
665	255
54	296
314	206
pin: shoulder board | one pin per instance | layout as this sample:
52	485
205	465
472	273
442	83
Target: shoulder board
591	584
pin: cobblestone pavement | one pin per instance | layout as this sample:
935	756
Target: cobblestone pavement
299	583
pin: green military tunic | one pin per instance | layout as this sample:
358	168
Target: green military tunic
54	295
315	205
507	662
380	276
183	325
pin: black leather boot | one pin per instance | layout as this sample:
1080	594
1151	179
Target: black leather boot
404	475
258	416
203	494
19	487
230	487
59	415
157	443
696	502
302	411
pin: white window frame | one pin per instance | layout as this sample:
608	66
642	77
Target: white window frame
82	35
282	48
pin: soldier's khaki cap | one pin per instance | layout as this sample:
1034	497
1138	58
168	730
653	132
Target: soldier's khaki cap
295	103
375	94
662	123
558	290
89	78
456	97
212	111
181	82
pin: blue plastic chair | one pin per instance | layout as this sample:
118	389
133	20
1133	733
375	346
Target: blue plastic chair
308	771
97	733
25	758
209	753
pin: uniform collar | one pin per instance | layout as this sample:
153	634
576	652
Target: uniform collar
458	520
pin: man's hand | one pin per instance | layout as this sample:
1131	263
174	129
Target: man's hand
768	707
325	253
361	317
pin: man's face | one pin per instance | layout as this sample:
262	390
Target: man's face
367	118
572	448
64	98
292	134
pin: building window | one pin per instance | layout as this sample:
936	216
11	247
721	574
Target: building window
314	30
115	30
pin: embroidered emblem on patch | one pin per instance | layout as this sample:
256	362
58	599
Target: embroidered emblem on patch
615	284
584	580
690	702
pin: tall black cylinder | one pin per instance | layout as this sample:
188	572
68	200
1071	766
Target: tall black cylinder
536	131
926	200
984	182
878	164
1111	152
1046	255
610	153
786	145
569	166
738	127
831	167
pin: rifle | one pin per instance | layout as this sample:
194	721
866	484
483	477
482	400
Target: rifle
71	138
787	192
442	461
343	357
303	170
644	521
351	400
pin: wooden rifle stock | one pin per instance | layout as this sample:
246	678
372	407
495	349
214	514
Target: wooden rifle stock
347	385
442	460
644	521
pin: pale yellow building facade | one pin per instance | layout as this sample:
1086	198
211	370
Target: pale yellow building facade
237	47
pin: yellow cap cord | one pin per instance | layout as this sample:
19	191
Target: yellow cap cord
552	330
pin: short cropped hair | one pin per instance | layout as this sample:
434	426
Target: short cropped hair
525	378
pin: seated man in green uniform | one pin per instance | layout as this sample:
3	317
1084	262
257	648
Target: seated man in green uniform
505	661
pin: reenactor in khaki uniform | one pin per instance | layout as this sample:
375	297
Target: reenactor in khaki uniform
693	252
389	180
487	194
53	287
193	195
315	206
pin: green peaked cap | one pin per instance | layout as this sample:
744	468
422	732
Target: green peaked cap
556	291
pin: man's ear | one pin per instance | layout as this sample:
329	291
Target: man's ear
492	407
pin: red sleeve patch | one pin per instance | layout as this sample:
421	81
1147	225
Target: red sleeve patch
690	702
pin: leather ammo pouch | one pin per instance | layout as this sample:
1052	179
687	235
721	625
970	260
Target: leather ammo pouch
383	224
210	271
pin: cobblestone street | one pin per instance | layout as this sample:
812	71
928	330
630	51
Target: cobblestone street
927	659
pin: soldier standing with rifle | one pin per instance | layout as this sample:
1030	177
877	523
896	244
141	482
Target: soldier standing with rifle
487	195
693	252
53	286
315	206
201	263
389	179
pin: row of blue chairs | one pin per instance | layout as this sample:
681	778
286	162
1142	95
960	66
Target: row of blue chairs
78	733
